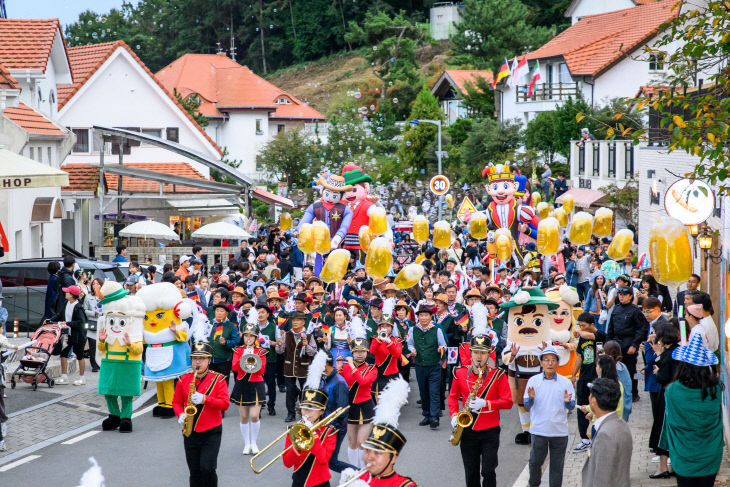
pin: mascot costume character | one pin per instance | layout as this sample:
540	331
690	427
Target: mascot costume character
360	202
528	331
330	209
561	328
166	336
120	344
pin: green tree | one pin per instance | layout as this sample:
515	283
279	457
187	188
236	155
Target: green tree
492	30
191	104
548	13
287	157
489	141
479	98
622	200
540	135
418	139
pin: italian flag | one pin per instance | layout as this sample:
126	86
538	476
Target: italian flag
535	78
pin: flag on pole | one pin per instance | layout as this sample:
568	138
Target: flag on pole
501	74
519	70
513	70
535	78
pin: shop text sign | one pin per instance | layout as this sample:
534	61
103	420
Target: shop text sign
10	183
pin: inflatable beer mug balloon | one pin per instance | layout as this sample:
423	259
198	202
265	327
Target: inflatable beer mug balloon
378	259
621	244
603	222
285	221
335	266
491	245
535	200
449	200
306	238
561	216
376	220
442	234
365	237
409	276
321	233
670	252
548	236
478	225
543	209
420	229
580	228
568	204
504	243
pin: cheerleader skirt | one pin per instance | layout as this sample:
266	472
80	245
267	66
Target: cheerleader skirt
247	393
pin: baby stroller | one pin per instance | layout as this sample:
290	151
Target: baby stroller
33	364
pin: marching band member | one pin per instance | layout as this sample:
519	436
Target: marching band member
480	441
210	399
403	325
387	350
479	313
311	468
249	391
360	377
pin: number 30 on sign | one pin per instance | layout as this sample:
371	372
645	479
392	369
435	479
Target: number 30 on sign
439	185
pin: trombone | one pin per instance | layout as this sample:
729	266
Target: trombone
301	437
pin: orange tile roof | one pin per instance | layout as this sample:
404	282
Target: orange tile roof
223	84
86	60
7	82
596	42
462	76
81	177
138	185
26	43
31	121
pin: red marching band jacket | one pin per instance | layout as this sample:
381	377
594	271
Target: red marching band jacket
392	480
498	395
236	367
360	380
387	354
214	387
312	467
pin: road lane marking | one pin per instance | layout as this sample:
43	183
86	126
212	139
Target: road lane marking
144	411
18	463
81	437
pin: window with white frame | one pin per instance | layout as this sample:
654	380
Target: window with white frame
282	100
656	61
280	127
153	132
50	156
259	126
82	140
31	153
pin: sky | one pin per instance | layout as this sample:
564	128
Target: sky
66	10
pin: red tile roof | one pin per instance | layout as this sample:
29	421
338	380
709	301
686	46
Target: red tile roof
26	43
223	84
6	79
595	42
31	121
137	185
462	76
86	60
81	177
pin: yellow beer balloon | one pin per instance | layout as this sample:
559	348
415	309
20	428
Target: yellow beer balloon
420	229
561	216
603	222
535	199
442	235
504	247
379	257
335	266
321	233
376	220
621	244
491	246
478	225
449	200
306	238
580	228
568	204
670	252
548	236
543	209
285	221
365	237
409	276
420	258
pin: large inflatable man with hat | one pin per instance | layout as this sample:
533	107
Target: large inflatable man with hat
360	202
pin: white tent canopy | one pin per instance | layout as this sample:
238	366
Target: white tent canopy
17	171
149	229
221	230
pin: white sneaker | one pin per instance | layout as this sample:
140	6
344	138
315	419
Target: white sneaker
655	459
62	381
3	446
4	429
247	450
254	449
581	447
81	381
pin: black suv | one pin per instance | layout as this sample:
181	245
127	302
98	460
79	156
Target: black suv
24	284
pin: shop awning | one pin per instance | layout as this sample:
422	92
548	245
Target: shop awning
271	198
17	172
582	197
200	204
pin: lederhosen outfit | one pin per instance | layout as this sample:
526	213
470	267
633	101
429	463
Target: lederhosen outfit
296	364
360	380
203	444
387	356
480	442
311	468
249	389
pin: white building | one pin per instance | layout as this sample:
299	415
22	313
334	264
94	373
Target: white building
444	16
244	110
582	8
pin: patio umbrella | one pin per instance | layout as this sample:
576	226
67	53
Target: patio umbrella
221	230
149	229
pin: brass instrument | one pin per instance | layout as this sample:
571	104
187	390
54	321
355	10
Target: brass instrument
190	410
356	476
250	363
464	418
301	437
383	334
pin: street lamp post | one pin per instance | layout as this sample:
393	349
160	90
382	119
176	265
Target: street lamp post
439	152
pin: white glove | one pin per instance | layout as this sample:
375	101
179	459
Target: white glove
387	340
477	403
453	422
335	241
181	418
197	398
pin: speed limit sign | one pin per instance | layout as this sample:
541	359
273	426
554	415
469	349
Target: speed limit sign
439	185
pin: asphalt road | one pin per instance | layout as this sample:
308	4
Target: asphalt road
153	455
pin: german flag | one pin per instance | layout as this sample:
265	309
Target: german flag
281	320
461	320
326	329
501	74
316	314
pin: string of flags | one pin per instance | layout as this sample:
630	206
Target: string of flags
517	72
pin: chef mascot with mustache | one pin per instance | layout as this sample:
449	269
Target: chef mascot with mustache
561	328
528	332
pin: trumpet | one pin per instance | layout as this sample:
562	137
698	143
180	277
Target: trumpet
301	437
383	334
356	476
250	363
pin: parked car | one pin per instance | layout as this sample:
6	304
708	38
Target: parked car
24	284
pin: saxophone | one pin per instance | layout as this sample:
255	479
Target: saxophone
464	418
190	410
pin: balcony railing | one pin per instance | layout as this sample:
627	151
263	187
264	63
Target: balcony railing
547	92
596	163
